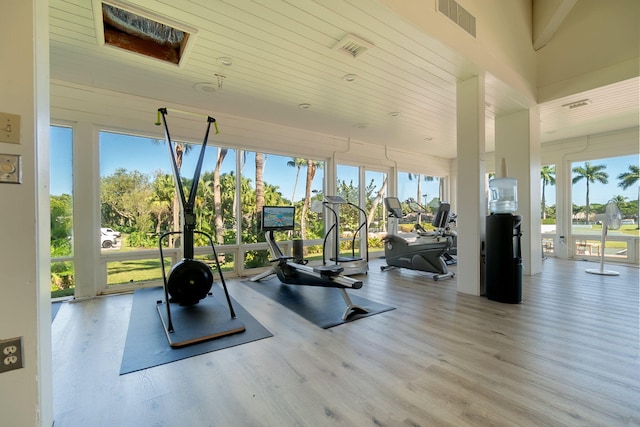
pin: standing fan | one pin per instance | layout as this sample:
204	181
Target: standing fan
612	220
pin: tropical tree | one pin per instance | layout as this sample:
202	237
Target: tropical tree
164	190
420	178
376	201
627	179
217	197
126	198
296	162
548	177
61	215
179	151
590	173
312	166
259	182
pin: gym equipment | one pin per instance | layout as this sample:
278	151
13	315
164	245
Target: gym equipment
439	225
420	250
611	220
281	218
351	264
190	280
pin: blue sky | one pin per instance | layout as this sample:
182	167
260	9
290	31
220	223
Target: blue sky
137	153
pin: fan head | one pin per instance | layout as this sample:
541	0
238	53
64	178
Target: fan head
612	215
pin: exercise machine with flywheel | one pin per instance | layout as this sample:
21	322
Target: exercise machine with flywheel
189	282
282	218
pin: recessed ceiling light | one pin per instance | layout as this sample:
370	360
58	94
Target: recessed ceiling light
394	113
361	125
226	61
350	77
304	106
205	87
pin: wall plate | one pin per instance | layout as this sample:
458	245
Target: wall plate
10	168
9	128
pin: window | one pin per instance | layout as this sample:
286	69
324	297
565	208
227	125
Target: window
420	194
548	208
594	183
61	210
273	180
352	220
139	202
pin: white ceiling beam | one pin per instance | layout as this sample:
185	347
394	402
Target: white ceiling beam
547	18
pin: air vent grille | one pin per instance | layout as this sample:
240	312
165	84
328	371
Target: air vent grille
459	15
352	46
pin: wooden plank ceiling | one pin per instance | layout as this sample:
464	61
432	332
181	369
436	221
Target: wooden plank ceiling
282	56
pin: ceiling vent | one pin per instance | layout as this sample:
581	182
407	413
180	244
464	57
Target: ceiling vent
352	45
576	104
459	15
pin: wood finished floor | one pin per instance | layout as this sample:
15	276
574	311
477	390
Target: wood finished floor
567	356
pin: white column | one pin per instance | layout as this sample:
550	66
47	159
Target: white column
518	141
470	200
89	278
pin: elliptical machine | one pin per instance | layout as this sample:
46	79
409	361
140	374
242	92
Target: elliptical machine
353	264
420	250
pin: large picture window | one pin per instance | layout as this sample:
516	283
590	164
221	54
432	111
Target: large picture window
594	183
273	180
139	201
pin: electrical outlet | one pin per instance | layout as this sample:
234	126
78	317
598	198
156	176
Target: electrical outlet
11	354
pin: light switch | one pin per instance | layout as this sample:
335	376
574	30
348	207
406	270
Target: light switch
9	128
10	171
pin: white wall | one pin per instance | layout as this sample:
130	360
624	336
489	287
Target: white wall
500	47
597	44
25	309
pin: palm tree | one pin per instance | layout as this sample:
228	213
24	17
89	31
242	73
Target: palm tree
591	174
547	174
217	197
260	161
376	201
619	199
296	162
312	166
419	194
627	179
180	149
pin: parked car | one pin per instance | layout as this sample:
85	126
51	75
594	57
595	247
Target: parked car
109	232
108	237
107	241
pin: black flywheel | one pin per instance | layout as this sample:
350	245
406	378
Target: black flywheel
189	281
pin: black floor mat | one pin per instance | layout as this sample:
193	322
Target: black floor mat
147	345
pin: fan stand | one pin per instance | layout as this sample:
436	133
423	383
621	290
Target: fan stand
601	271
